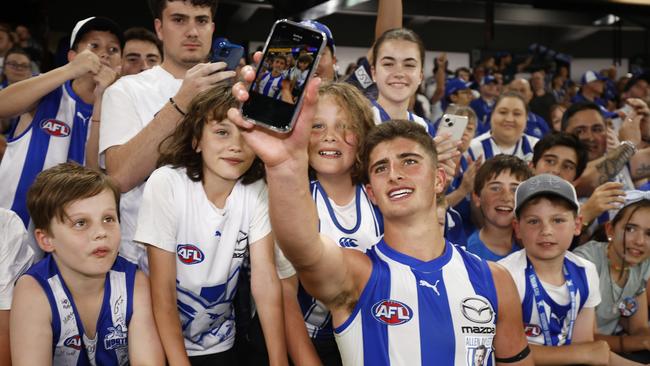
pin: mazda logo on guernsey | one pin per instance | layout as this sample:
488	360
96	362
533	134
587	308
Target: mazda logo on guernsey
189	254
477	310
55	128
392	312
73	342
348	242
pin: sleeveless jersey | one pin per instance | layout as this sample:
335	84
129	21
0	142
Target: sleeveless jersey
555	299
486	146
271	86
441	312
364	230
210	246
70	344
57	133
382	116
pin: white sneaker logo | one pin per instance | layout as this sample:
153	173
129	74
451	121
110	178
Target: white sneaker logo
427	284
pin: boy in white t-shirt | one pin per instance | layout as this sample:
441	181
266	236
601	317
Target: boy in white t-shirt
558	290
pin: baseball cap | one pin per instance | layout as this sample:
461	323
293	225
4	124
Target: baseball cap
590	76
454	85
323	28
544	184
487	79
95	23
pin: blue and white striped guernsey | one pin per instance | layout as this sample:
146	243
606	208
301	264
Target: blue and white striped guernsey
441	312
358	231
70	345
484	145
271	86
58	133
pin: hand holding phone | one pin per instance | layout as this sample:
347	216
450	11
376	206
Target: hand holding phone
270	103
454	124
224	51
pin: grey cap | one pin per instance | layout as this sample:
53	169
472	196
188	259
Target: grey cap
545	184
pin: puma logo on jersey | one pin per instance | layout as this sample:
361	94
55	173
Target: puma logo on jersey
434	286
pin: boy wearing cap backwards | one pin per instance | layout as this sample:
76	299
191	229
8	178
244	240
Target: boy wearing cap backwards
558	289
81	304
56	110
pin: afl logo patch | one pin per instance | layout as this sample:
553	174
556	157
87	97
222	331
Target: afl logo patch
532	330
189	254
55	128
392	312
477	310
73	342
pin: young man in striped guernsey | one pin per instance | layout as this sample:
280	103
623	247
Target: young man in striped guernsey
411	299
82	304
56	110
270	83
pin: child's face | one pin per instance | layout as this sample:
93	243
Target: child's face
497	199
303	65
279	65
546	229
398	70
631	238
332	145
87	240
508	120
226	156
105	45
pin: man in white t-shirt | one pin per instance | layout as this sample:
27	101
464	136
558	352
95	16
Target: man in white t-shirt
140	111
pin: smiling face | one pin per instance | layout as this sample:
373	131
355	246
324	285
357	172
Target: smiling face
508	121
87	240
186	32
403	178
333	145
546	228
631	238
588	125
226	156
398	70
497	199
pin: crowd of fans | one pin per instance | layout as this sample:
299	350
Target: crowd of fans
365	236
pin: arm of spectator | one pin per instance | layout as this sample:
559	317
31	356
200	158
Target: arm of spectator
640	164
23	96
162	272
5	354
30	325
301	350
509	340
607	196
441	78
144	342
389	16
603	169
467	184
638	338
267	292
105	77
131	163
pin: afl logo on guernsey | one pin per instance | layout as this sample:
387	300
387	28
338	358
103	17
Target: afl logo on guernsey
189	254
55	128
392	312
532	330
73	342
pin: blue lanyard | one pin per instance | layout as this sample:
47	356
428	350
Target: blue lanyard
539	302
384	116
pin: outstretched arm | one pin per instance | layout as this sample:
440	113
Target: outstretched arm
320	263
144	342
299	345
389	16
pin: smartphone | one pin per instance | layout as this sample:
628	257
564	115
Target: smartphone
224	51
453	124
271	103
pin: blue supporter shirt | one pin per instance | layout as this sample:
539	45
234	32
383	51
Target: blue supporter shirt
476	246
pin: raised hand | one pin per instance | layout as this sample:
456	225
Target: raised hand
104	78
199	78
84	62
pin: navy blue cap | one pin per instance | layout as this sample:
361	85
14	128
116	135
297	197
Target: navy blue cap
323	28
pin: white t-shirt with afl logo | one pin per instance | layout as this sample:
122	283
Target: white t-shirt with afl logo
210	245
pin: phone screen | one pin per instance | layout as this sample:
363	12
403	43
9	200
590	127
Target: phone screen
289	59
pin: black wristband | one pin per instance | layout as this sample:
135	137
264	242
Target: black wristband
171	101
516	358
